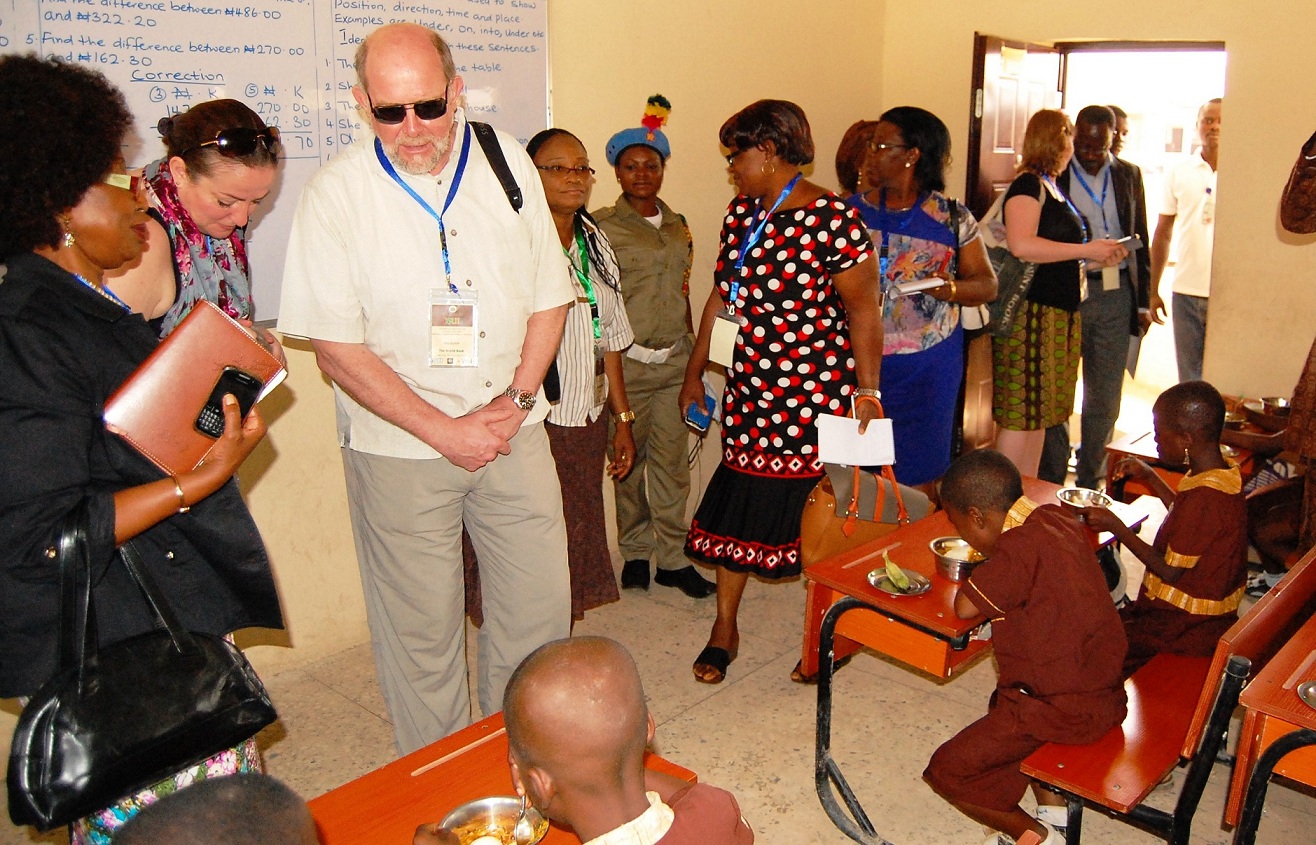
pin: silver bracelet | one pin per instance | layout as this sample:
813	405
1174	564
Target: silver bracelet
868	391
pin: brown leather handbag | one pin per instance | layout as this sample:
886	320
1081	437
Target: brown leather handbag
851	506
1297	205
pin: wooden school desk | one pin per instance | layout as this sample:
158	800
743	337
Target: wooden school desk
384	807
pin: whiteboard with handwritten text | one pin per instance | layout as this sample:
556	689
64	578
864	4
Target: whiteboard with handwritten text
291	61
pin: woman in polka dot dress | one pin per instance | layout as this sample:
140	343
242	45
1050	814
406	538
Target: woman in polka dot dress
795	286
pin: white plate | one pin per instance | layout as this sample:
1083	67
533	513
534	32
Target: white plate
918	583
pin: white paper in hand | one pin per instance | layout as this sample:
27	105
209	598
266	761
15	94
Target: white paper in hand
839	442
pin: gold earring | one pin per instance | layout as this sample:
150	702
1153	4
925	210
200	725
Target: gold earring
1185	455
769	168
68	240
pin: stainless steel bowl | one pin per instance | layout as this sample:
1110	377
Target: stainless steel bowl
1082	497
955	558
495	817
1276	406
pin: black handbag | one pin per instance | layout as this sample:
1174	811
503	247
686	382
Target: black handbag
115	720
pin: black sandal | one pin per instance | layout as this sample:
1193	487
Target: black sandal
714	658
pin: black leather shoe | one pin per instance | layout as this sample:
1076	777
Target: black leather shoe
635	575
688	581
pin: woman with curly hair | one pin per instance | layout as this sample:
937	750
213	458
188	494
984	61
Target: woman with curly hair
66	344
1035	369
219	165
795	304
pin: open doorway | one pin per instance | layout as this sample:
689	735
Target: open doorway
1161	87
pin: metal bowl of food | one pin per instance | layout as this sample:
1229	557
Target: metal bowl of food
490	821
955	557
1276	406
1235	420
1082	497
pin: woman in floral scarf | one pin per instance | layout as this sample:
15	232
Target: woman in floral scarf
220	162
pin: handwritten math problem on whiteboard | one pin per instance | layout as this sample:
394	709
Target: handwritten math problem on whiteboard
292	61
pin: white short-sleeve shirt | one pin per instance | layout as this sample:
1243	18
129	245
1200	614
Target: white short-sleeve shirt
1190	195
363	257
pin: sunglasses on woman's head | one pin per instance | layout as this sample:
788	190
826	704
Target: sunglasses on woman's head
241	141
128	182
425	110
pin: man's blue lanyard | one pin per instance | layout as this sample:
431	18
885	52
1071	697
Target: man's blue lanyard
753	238
1082	221
1100	202
452	192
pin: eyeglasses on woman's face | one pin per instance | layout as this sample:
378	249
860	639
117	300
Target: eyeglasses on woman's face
583	171
876	147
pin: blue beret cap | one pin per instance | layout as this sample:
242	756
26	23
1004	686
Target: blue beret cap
639	135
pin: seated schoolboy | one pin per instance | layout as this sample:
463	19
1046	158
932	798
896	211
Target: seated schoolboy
247	809
1197	568
1057	638
577	730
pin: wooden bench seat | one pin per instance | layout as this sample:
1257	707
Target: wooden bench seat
1120	769
1167	723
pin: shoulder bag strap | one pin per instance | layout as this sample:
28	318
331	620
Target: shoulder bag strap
852	509
181	636
77	629
954	268
484	133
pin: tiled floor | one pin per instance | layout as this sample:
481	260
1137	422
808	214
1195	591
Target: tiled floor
752	734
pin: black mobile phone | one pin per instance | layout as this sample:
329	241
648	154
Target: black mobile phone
244	386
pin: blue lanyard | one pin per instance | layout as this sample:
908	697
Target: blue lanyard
887	219
1100	203
1082	221
452	192
752	238
103	291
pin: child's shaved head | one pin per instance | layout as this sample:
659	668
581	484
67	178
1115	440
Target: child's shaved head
983	479
575	708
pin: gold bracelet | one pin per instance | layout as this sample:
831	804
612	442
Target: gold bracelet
952	291
182	500
626	416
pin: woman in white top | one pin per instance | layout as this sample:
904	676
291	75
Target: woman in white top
588	369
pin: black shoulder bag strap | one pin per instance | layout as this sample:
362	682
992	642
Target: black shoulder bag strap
484	133
955	237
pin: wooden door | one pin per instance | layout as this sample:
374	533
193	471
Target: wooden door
1011	81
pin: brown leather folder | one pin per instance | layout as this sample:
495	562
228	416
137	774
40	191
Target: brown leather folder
157	408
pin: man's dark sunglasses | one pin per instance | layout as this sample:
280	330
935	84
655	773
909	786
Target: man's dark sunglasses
425	110
241	141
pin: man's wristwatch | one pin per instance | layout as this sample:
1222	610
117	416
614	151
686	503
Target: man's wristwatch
625	417
524	399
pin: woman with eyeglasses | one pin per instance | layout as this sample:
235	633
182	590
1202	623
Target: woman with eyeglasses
928	240
794	307
66	344
588	374
220	163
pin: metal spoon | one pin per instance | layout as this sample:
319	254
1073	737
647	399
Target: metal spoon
527	823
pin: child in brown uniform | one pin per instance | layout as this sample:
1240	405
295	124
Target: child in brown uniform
1057	638
1197	568
577	729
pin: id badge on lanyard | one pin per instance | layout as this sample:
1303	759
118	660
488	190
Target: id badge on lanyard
454	328
728	322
